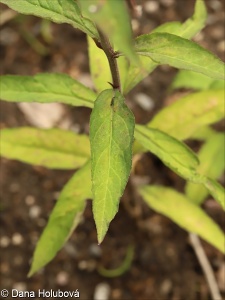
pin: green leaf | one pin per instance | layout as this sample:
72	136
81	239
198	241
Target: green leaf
196	23
169	27
176	155
58	11
183	212
212	164
63	219
191	26
197	81
99	66
165	48
51	148
216	190
46	88
188	114
113	19
111	137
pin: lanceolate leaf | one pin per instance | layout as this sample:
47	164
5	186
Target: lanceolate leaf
197	81
185	116
64	218
196	23
46	88
111	137
183	212
165	48
212	164
176	155
113	19
216	190
58	11
52	148
188	29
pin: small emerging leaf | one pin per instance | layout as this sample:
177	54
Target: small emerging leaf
51	148
46	88
111	137
66	11
165	48
183	212
64	218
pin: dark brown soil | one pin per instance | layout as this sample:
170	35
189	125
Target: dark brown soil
164	266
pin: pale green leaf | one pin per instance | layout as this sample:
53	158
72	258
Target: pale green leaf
165	48
188	29
64	218
183	212
113	19
188	114
169	27
196	23
58	11
174	154
196	81
212	164
203	133
46	88
51	148
111	137
216	190
99	66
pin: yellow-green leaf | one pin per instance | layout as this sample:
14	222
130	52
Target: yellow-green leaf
197	81
63	219
165	48
187	115
175	154
111	137
182	211
66	11
51	148
46	88
212	164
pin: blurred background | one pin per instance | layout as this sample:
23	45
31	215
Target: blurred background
164	265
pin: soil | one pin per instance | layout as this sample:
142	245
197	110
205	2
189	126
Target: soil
164	266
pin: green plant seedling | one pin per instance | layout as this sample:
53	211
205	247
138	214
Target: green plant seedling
104	159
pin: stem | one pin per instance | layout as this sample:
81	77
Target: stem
111	56
206	267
